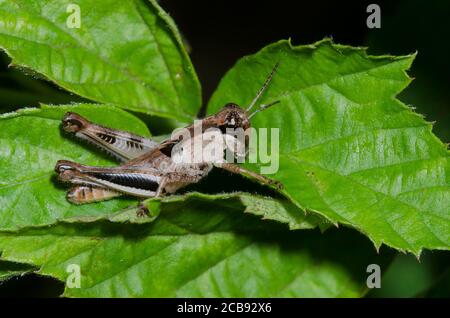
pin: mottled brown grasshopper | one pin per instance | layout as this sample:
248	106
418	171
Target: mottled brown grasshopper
151	169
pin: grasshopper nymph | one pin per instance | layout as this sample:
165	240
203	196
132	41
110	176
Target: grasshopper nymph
149	169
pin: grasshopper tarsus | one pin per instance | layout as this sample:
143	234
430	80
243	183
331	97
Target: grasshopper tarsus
277	184
142	211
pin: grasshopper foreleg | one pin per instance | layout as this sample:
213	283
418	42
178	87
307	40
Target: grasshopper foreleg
233	168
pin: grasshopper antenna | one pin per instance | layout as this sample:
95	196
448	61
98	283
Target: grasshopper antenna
263	88
262	107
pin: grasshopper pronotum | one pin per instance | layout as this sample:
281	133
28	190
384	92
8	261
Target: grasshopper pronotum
148	168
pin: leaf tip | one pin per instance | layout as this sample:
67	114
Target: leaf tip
418	254
377	246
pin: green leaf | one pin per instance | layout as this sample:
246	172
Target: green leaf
31	142
267	208
429	91
349	149
18	89
197	251
408	277
12	269
127	53
7	274
441	287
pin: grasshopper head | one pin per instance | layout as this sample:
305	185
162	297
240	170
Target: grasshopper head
233	117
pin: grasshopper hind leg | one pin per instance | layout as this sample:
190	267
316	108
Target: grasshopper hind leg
120	144
88	194
132	181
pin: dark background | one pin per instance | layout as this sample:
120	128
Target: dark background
219	32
